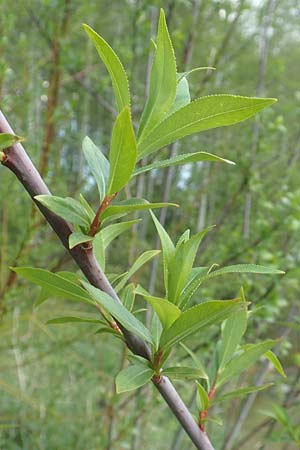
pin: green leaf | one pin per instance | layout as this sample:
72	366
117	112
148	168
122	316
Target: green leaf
7	140
197	318
181	373
114	67
119	312
232	333
133	204
68	319
99	249
132	377
78	238
127	296
244	360
240	392
243	268
180	266
276	363
67	208
156	330
180	160
167	248
111	232
192	284
166	311
183	96
195	359
141	260
56	284
87	207
202	397
98	165
163	82
123	152
202	114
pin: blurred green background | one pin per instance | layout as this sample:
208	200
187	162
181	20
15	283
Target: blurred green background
57	382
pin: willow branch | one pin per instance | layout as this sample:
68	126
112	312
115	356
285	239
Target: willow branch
17	160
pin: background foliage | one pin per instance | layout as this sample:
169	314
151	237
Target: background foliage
57	383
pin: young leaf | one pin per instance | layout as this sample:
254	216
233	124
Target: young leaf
181	264
180	160
127	296
166	311
110	232
119	312
78	238
181	373
55	284
99	249
240	392
243	268
72	319
98	165
123	152
67	208
167	247
192	284
241	362
183	96
276	363
132	377
87	207
163	82
128	206
196	318
202	114
232	333
195	359
114	67
142	259
202	397
7	140
156	330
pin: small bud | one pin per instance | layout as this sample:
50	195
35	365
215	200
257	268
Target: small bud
2	156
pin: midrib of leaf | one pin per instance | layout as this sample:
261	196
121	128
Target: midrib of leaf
165	136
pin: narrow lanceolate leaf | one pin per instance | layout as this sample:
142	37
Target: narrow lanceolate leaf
111	232
67	208
128	206
119	312
133	377
241	362
166	311
99	250
181	264
163	82
141	260
197	318
87	207
114	67
7	140
243	268
183	96
241	392
123	152
192	284
184	373
276	363
202	114
55	284
233	331
78	238
98	164
202	397
127	296
72	319
167	247
180	160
